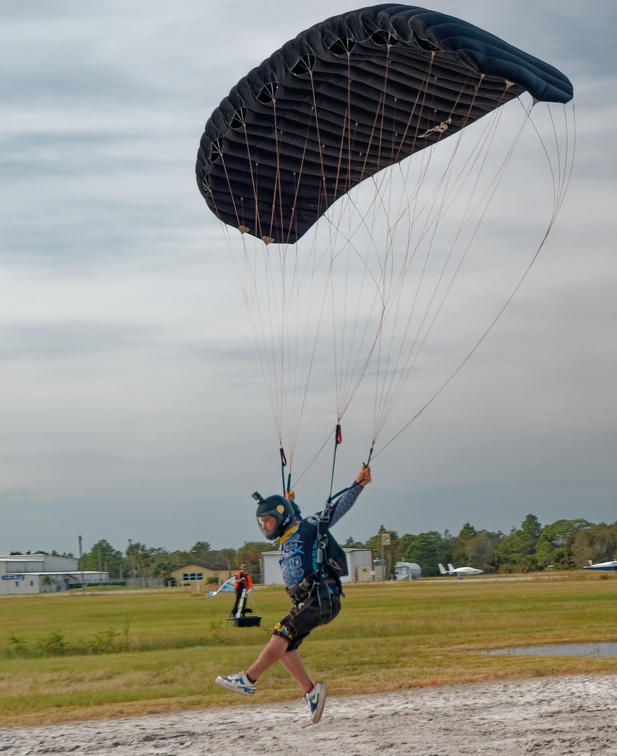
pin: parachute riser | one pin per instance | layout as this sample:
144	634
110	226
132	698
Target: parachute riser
283	466
338	439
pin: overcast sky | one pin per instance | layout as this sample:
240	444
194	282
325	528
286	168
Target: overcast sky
131	401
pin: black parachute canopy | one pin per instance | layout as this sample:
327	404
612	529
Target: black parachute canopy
347	98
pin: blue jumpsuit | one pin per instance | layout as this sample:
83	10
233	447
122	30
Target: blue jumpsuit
298	560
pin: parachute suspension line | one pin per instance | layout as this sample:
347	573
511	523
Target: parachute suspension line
342	250
304	353
272	327
340	296
286	357
277	200
300	326
382	264
253	302
353	342
312	462
561	178
308	277
383	200
303	289
468	356
345	145
298	179
350	366
245	274
402	363
383	203
338	440
263	335
229	186
481	339
357	362
399	355
340	243
249	160
381	111
272	333
568	158
565	162
391	288
394	274
287	360
419	103
260	315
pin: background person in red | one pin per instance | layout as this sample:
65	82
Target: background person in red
243	581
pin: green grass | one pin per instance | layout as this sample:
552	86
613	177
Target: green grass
90	655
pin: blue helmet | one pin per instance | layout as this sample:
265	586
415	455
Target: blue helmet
278	507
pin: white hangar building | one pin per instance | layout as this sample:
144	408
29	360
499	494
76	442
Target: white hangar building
41	573
359	562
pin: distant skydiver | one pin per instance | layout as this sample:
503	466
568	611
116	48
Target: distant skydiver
311	569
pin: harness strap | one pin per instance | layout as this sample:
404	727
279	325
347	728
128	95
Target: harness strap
303	590
319	586
324	599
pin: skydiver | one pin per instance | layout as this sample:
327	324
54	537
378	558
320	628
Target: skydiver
316	596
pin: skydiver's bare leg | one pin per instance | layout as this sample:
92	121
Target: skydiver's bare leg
294	665
274	651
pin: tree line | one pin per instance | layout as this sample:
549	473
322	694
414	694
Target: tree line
562	545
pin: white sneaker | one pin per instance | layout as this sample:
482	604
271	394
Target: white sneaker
316	699
239	683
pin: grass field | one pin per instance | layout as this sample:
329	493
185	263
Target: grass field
82	656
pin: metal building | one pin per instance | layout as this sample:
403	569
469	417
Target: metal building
41	573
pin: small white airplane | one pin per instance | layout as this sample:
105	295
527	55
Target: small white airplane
602	566
459	571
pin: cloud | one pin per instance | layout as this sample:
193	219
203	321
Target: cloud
131	397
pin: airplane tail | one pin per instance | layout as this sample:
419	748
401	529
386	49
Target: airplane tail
451	568
442	569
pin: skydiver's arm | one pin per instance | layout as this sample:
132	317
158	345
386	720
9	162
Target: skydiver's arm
348	499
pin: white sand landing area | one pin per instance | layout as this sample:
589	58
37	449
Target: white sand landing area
572	716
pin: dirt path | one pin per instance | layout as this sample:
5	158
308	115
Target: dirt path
574	716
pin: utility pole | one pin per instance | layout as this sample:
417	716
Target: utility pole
385	541
81	567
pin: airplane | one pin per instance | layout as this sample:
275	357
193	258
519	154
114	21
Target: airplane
601	565
459	571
